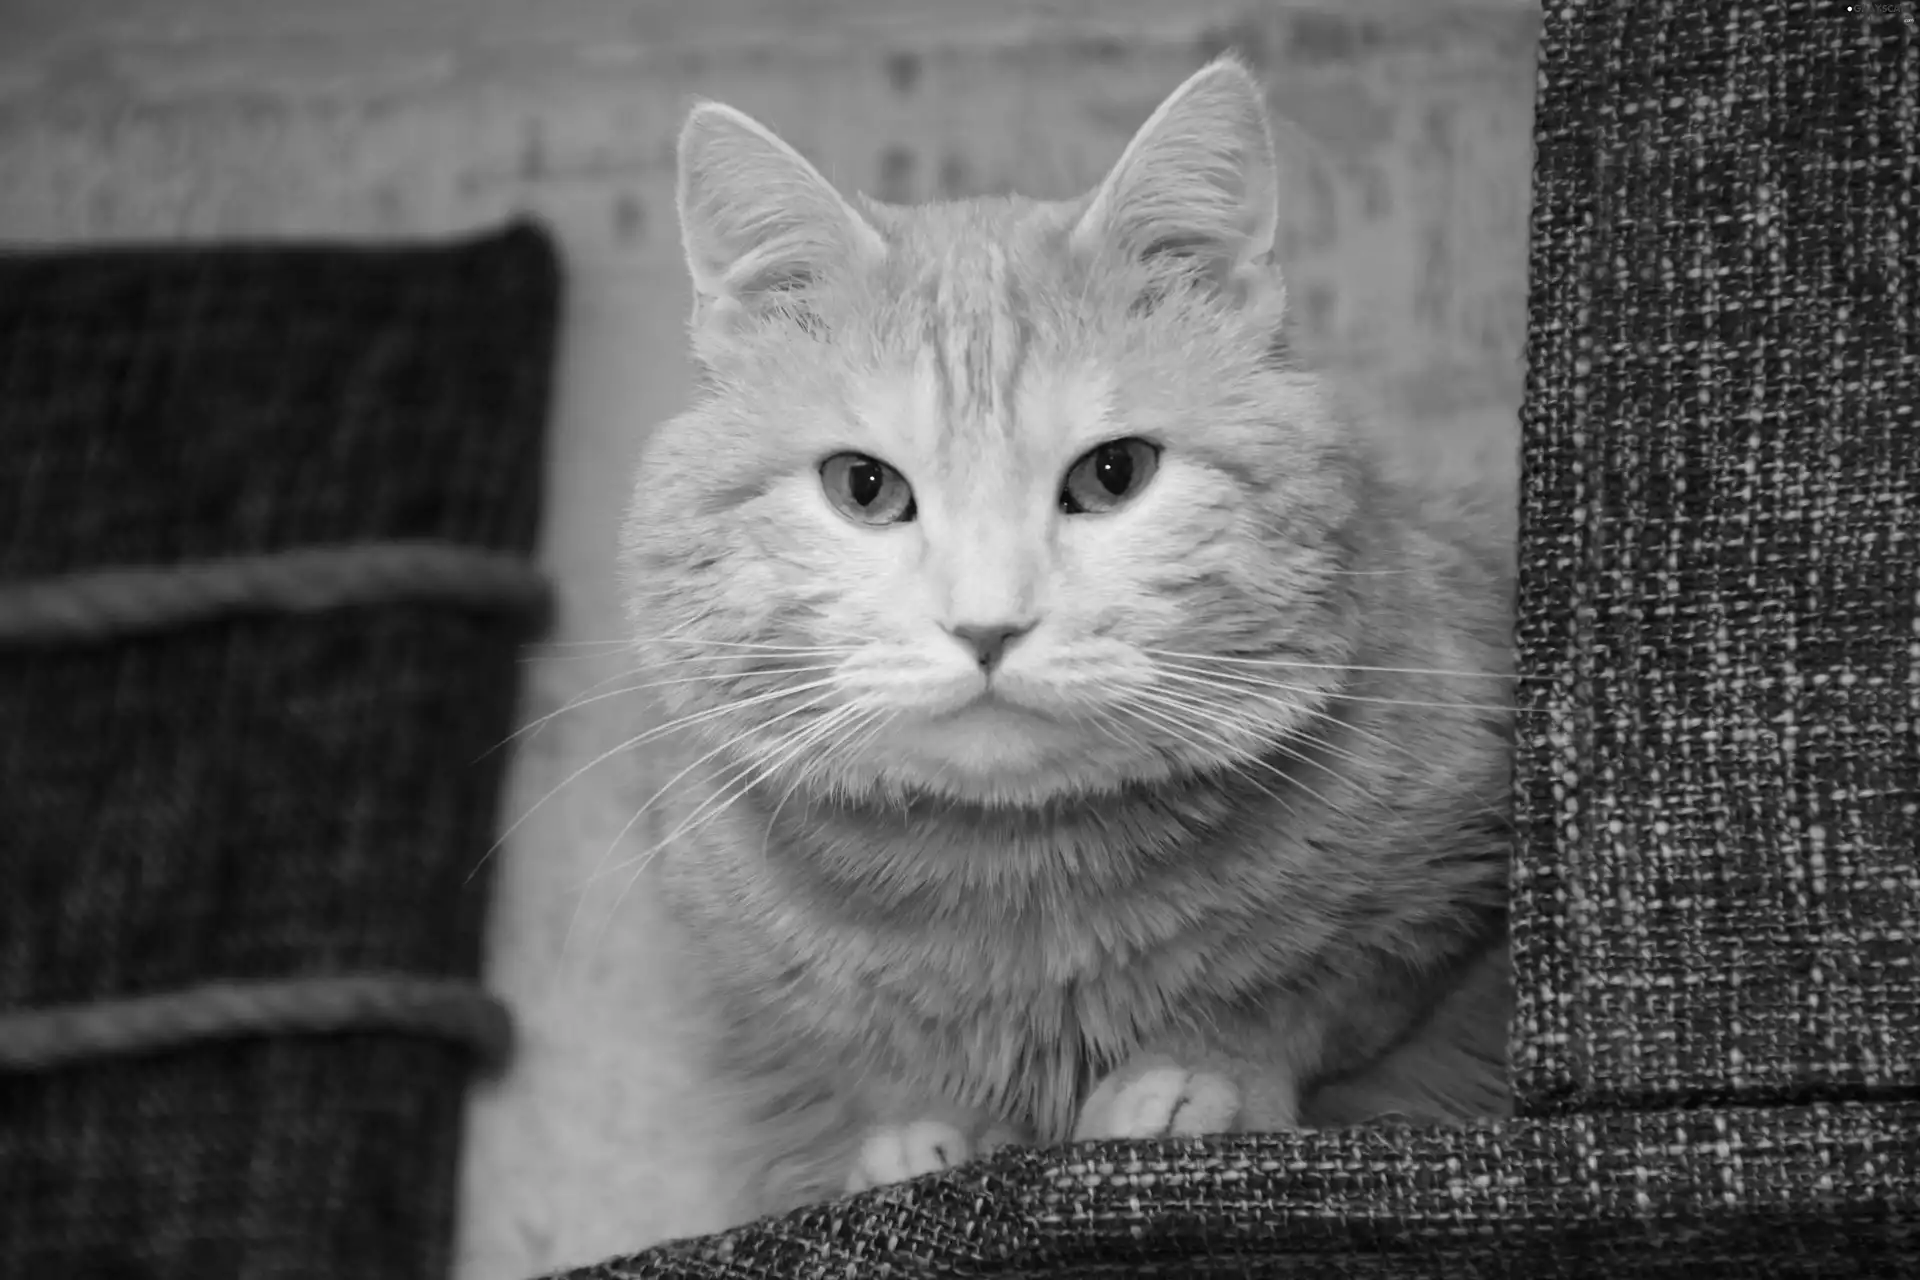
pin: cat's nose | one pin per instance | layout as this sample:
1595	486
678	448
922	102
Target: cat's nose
989	640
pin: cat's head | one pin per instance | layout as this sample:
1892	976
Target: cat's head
984	499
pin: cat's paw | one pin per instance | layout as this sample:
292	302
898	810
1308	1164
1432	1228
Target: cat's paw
895	1152
1158	1098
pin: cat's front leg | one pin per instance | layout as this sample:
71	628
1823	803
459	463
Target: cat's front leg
1159	1095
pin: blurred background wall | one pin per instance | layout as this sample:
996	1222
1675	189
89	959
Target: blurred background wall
1405	162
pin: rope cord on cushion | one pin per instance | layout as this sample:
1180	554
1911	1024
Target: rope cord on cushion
38	1039
107	604
103	605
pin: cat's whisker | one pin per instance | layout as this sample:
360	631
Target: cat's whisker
855	738
711	677
874	720
786	747
1308	736
586	697
580	699
1294	753
1216	718
1491	708
1101	718
1160	723
881	720
766	646
738	653
639	739
1321	715
696	660
773	816
730	705
601	869
1296	664
1310	692
626	642
733	791
788	653
1176	716
1156	697
549	659
646	806
1171	699
800	778
1289	709
1109	724
1366	573
1171	726
1309	739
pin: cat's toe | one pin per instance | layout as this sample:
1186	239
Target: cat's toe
895	1152
1158	1100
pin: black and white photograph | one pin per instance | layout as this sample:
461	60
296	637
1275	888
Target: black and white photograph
802	639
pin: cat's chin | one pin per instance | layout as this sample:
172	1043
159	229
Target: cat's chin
999	755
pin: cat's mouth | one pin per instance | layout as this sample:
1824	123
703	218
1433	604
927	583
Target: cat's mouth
993	747
994	700
985	708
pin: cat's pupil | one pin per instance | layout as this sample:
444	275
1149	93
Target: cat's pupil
863	482
1114	467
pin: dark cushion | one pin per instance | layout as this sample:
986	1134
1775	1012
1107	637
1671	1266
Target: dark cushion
1716	892
257	789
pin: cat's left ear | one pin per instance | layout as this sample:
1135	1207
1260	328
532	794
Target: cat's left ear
1197	188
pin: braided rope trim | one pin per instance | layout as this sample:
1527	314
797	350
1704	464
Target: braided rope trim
107	604
34	1040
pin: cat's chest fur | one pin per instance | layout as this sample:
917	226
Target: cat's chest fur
1005	979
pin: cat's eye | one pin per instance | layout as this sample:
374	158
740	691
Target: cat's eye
866	490
1108	475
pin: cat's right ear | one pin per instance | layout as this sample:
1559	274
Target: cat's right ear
758	223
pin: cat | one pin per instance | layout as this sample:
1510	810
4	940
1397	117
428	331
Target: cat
1094	730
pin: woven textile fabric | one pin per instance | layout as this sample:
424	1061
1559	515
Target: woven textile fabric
1716	891
262	797
1723	550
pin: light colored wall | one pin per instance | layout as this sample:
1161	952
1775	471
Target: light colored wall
1405	161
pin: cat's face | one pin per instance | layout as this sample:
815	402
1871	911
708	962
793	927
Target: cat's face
985	499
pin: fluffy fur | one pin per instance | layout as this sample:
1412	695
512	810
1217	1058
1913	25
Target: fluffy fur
1235	805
